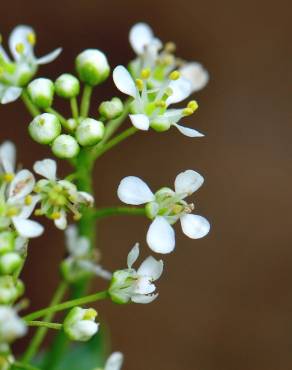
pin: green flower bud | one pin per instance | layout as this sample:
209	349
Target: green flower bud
80	324
70	125
65	146
89	132
92	67
9	263
10	290
111	109
121	287
44	128
7	239
67	86
41	92
160	125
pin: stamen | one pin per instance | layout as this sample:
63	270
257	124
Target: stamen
160	104
168	91
170	47
8	177
193	105
145	73
13	211
175	75
28	200
38	212
31	38
90	314
139	84
187	111
55	215
19	48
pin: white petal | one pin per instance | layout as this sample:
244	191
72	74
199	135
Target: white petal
8	156
140	121
194	226
27	228
85	198
22	185
188	182
61	222
26	211
114	362
144	299
46	168
181	89
188	131
133	255
133	190
9	94
49	57
140	36
151	267
196	74
20	36
161	236
124	81
144	286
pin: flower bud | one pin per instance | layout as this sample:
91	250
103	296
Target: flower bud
70	124
111	109
9	263
41	92
44	128
92	67
67	86
10	289
11	326
160	125
80	324
121	287
7	239
65	146
89	132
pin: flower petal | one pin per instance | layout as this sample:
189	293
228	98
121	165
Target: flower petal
194	226
133	190
124	81
61	222
196	74
188	182
9	94
144	299
151	267
8	156
20	35
140	36
161	236
27	228
140	121
181	89
48	58
27	210
22	185
144	285
114	362
46	168
85	198
190	132
133	255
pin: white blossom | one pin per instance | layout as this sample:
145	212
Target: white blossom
80	324
11	325
17	71
114	362
136	285
165	208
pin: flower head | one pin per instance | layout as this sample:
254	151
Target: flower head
136	285
165	208
58	197
11	325
16	73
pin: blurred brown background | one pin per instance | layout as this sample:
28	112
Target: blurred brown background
225	301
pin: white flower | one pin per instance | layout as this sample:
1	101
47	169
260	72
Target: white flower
150	106
151	54
165	208
114	362
81	260
80	324
58	197
136	286
16	73
11	325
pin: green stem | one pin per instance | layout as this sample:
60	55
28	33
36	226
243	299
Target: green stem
44	324
19	365
61	118
33	110
74	108
41	332
85	101
66	305
113	211
99	151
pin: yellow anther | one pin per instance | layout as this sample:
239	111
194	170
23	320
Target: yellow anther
145	73
55	215
177	208
170	47
175	75
38	212
139	84
193	105
13	211
19	48
31	38
168	91
168	59
77	216
8	177
90	314
28	200
187	111
160	104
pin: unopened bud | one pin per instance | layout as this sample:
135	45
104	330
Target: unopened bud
67	86
65	146
9	263
41	92
89	132
80	324
111	109
44	128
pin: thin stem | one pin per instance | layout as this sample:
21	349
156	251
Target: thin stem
74	108
33	110
19	365
113	211
113	142
66	305
44	324
85	101
41	332
61	118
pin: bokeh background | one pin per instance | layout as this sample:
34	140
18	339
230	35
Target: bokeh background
226	300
